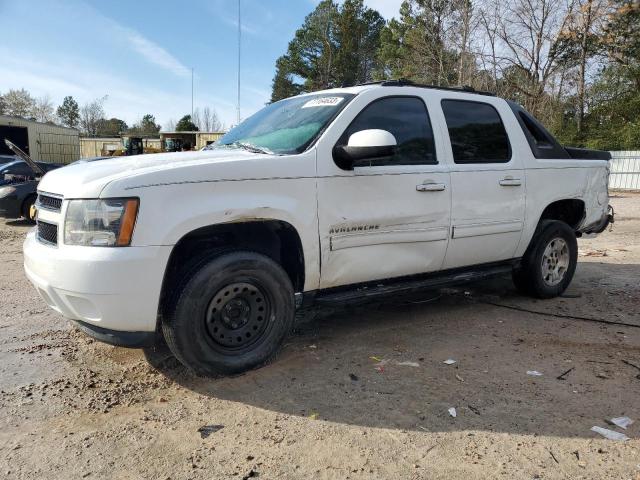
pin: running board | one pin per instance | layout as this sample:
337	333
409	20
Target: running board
406	285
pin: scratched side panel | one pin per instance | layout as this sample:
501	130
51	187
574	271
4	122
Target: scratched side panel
378	226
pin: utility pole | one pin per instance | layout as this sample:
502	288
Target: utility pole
192	94
239	56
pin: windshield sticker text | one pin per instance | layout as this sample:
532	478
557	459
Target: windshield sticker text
323	102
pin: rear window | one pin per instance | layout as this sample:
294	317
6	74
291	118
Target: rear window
476	132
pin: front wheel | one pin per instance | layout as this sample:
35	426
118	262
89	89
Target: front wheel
29	209
550	261
230	313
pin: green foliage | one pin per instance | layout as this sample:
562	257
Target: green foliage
111	128
147	126
69	112
186	125
336	45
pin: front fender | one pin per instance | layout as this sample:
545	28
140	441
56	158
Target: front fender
169	212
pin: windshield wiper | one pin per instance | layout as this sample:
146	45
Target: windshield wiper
251	148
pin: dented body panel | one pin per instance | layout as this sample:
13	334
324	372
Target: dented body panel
361	225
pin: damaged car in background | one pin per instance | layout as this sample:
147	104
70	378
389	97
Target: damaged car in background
19	180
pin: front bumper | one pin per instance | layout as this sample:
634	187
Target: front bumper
107	288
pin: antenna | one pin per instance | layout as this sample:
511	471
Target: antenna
192	94
239	55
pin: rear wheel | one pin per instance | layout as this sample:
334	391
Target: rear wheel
550	261
230	314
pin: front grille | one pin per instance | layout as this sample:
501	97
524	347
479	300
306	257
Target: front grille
48	233
49	203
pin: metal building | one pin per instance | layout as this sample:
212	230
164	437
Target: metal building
42	141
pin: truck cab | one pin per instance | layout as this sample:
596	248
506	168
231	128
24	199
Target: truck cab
331	196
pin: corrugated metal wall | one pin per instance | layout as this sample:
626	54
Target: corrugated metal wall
48	143
625	171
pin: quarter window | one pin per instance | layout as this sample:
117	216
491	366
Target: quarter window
476	132
407	119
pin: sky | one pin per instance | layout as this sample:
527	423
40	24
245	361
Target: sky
140	54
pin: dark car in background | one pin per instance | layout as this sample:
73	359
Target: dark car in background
18	188
4	159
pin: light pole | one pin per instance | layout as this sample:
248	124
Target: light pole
192	94
239	56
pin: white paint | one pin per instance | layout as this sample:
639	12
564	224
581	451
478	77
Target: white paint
372	138
323	102
367	224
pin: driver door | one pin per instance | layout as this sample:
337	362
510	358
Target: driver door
388	217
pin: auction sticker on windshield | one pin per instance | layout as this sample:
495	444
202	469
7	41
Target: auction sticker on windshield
323	102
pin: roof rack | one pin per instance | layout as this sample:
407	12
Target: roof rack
402	82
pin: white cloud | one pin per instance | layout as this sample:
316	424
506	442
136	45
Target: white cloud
155	54
387	8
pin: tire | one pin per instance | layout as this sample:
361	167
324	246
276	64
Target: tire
26	209
229	314
549	263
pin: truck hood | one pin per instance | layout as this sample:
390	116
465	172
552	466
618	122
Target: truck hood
89	180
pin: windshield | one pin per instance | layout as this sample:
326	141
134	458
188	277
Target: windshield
288	126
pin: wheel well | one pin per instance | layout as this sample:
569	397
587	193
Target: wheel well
570	212
276	239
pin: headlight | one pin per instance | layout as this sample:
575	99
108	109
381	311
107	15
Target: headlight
100	223
6	191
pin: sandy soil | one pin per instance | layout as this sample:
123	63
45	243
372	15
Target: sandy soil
341	401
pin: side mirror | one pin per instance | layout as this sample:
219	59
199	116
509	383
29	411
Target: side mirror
363	146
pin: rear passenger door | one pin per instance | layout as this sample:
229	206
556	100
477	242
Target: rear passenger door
488	183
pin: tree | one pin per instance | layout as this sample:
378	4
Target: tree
18	103
170	125
90	115
43	110
3	105
113	127
186	125
69	112
206	120
336	45
147	126
283	85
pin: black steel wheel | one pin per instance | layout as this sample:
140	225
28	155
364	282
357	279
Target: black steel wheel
230	313
238	315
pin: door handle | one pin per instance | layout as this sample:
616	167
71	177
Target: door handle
510	182
430	187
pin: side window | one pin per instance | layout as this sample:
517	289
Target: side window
476	132
407	119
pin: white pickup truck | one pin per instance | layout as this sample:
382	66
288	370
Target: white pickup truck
330	196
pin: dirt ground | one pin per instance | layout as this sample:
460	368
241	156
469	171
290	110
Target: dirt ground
358	392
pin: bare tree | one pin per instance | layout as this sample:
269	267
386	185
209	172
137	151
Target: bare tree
170	125
206	120
197	120
90	115
529	31
43	109
18	103
580	38
211	122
